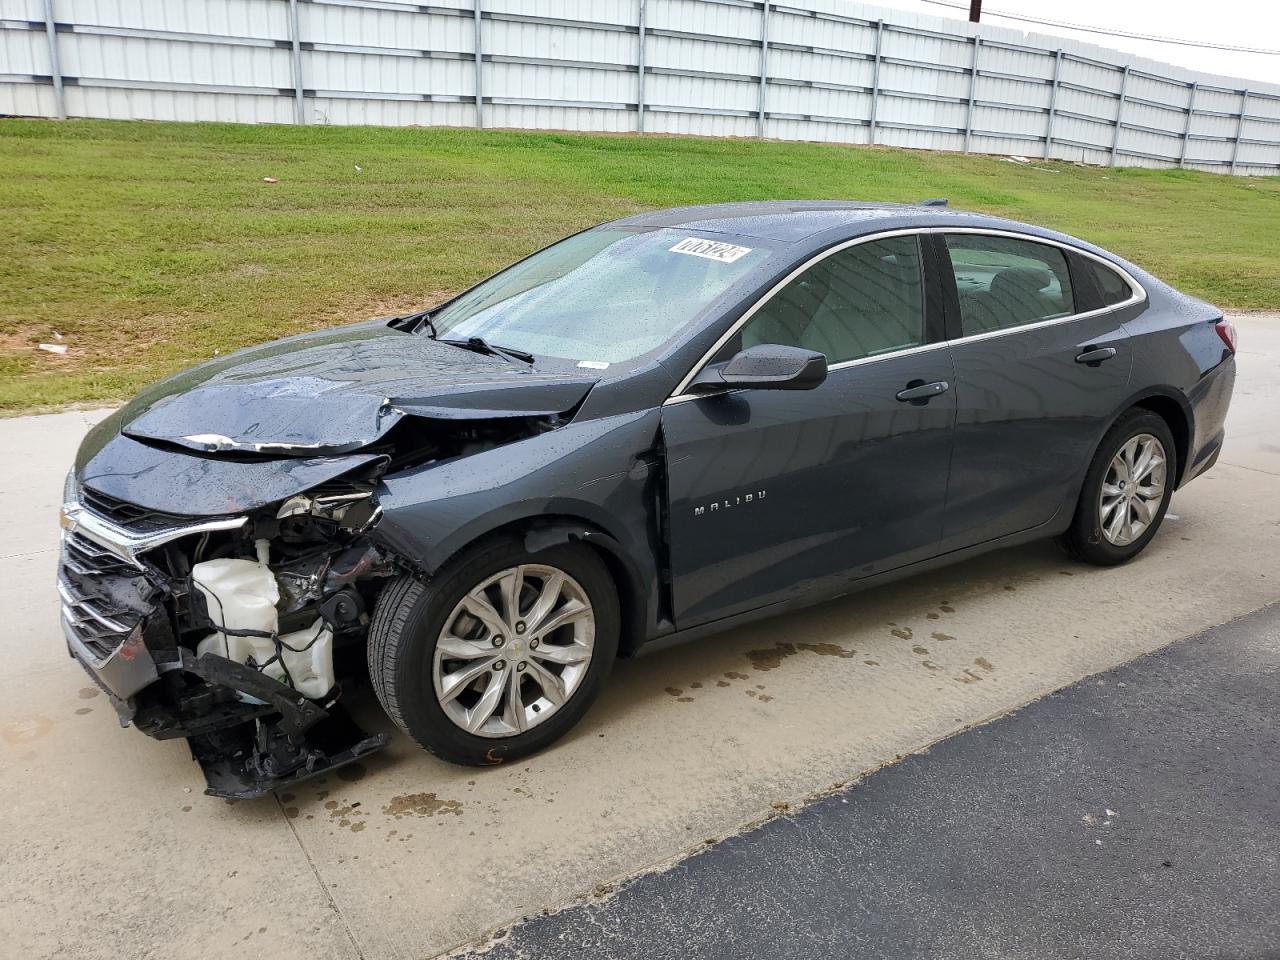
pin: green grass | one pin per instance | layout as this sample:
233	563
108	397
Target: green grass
149	246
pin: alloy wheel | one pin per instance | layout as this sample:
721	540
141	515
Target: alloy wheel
514	650
1132	489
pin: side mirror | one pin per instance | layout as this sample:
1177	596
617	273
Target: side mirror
766	366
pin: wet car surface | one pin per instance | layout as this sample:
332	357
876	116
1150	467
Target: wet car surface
488	513
672	769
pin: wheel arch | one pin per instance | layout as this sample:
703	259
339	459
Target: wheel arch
538	531
1173	409
633	605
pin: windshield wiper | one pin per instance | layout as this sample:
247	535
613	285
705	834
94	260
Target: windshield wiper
413	322
481	345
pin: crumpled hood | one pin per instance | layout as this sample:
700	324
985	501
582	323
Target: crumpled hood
336	391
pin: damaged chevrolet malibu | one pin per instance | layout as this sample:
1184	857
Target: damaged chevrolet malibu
654	429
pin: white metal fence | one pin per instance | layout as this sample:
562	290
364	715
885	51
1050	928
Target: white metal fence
826	70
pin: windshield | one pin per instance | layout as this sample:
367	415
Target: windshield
600	297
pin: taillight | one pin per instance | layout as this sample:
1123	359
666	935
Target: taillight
1227	331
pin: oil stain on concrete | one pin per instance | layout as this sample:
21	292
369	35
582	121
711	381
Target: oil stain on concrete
421	805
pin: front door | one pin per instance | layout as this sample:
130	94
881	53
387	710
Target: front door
775	492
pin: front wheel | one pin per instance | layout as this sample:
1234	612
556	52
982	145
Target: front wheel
1126	491
500	654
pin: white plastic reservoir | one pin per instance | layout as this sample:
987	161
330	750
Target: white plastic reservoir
242	595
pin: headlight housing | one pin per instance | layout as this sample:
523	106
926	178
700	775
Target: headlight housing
71	489
70	500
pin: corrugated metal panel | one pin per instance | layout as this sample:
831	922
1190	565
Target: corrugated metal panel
827	34
683	54
1103	79
702	93
1221	101
370	73
24	52
618	12
389	113
124	104
537	82
926	49
561	118
1258	106
1215	126
557	42
819	68
575	64
233	18
161	61
21	9
27	100
703	125
834	104
390	29
718	18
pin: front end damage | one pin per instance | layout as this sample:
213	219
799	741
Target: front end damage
232	631
221	553
236	631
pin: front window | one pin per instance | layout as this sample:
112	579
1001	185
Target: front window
859	302
601	297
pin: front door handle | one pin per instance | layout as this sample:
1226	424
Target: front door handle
920	393
1095	355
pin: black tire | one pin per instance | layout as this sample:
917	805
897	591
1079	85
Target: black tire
407	622
1084	539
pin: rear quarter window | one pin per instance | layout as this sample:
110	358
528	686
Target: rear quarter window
1112	287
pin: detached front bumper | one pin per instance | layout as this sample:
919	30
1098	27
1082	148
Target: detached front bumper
289	739
249	733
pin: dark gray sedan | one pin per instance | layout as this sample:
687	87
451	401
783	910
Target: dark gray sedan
662	426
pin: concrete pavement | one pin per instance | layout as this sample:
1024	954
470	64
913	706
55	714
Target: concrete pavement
109	849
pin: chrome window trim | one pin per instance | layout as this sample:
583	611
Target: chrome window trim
1139	294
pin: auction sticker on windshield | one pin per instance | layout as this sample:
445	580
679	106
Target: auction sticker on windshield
711	249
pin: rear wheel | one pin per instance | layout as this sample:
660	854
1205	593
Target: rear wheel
500	654
1126	491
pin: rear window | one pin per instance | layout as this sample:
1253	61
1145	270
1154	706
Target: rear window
1004	282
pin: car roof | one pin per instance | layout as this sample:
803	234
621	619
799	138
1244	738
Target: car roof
794	221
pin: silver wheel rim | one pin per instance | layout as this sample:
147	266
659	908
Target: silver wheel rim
514	650
1132	490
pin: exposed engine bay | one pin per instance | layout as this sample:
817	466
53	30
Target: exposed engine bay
239	632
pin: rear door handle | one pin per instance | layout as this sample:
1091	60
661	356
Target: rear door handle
1095	355
921	393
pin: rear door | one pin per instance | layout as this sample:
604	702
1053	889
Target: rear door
1038	376
772	492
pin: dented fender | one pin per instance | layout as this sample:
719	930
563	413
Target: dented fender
599	480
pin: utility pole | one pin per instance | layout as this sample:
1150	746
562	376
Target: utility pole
975	10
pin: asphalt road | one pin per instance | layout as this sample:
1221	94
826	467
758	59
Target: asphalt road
108	849
1135	814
